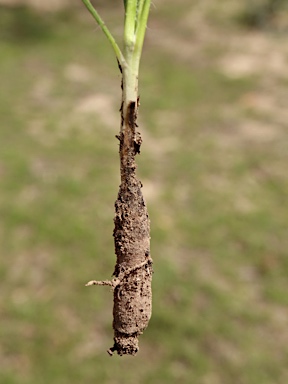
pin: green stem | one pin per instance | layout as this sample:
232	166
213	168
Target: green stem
139	11
136	16
129	25
141	25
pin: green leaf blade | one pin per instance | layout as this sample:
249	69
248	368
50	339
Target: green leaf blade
106	31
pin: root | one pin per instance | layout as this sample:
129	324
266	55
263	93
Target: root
118	280
112	283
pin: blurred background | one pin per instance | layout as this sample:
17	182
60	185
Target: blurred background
213	116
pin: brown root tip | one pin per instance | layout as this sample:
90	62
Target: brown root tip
110	351
92	282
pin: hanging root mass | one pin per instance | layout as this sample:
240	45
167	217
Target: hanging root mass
133	271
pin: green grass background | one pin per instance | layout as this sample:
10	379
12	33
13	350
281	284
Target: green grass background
214	168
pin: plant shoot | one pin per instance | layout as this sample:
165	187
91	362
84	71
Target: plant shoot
132	279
